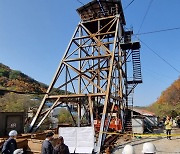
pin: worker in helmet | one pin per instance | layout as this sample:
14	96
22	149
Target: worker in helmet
128	149
168	127
149	148
10	145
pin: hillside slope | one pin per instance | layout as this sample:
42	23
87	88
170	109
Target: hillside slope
18	81
169	101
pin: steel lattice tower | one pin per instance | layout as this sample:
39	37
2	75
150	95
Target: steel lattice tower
94	71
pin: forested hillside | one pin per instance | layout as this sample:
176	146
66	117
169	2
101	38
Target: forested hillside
167	104
169	101
18	81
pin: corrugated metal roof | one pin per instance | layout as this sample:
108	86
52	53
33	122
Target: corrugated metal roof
144	112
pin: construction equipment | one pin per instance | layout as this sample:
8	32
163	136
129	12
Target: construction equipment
93	72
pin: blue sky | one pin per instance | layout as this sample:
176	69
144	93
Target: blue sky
34	35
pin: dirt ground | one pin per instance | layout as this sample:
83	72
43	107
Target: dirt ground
163	145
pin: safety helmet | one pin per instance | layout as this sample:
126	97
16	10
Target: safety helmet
128	149
18	151
149	148
13	133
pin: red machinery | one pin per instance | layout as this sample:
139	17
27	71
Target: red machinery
115	123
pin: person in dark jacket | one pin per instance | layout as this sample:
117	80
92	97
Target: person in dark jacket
61	148
47	147
10	145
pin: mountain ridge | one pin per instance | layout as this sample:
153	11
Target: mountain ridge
17	81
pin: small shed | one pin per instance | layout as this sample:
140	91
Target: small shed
149	117
138	124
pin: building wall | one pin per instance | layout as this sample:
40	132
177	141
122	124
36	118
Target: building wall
11	121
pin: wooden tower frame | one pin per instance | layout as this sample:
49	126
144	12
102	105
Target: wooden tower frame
93	70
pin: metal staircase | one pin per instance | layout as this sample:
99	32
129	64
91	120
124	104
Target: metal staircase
137	77
131	84
128	122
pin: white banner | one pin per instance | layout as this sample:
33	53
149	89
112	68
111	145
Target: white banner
78	139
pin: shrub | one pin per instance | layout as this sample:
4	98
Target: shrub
65	116
14	74
4	73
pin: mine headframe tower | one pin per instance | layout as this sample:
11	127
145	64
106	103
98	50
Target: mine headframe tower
94	69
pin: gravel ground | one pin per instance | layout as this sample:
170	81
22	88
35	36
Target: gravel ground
163	145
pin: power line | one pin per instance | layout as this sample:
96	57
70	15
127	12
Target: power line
4	91
155	73
157	31
160	57
152	75
129	4
80	2
145	15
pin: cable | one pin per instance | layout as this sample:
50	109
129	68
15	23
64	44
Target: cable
3	91
157	31
145	15
160	57
155	73
80	2
129	4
